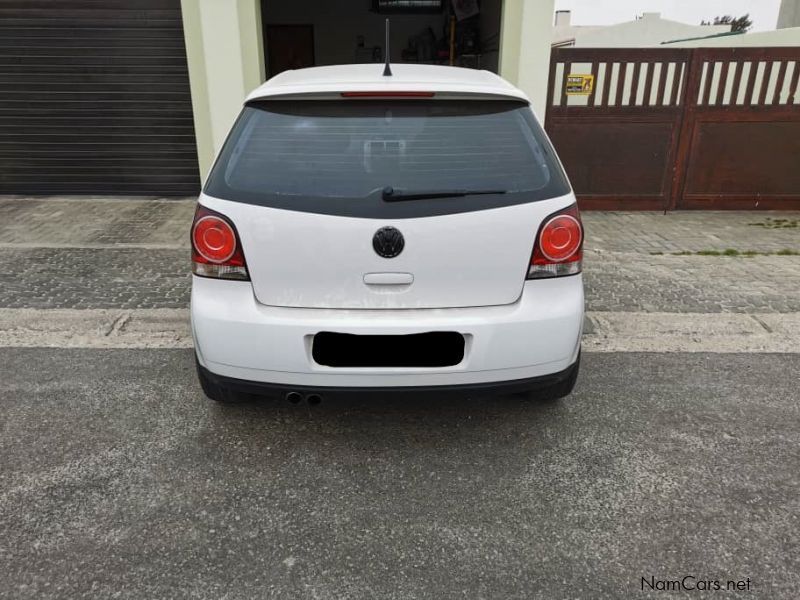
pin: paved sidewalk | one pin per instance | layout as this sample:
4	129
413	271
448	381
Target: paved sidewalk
133	253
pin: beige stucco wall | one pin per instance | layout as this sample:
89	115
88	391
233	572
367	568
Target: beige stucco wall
525	47
226	61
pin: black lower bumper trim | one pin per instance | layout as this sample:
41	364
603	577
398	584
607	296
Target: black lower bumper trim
492	388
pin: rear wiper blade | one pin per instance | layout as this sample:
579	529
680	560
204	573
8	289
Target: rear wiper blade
391	194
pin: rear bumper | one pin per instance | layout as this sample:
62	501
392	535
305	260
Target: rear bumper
491	388
239	339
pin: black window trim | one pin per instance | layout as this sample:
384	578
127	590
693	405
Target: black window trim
373	206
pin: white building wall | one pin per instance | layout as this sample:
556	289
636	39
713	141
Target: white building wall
779	37
789	15
650	30
525	47
225	59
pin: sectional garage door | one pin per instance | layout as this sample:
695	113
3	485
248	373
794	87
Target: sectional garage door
94	99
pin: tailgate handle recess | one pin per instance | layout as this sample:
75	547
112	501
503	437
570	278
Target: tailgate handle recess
388	278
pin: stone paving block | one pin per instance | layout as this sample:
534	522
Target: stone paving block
637	282
691	231
84	278
81	222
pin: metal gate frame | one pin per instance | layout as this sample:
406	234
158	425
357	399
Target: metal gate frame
660	106
722	96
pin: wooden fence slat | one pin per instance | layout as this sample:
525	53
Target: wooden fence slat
551	84
762	94
723	83
677	78
634	84
737	81
710	67
662	83
607	82
567	69
793	83
595	73
776	96
751	82
648	84
623	73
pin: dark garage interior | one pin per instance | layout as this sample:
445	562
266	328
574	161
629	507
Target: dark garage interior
305	33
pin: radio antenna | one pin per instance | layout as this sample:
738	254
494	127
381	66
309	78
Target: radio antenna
387	69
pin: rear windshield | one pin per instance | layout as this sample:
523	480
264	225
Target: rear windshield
337	157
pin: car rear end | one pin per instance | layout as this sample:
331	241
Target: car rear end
391	241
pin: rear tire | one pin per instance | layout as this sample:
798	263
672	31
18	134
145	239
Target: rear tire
216	392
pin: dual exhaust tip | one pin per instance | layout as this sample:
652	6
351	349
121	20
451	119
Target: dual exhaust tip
296	397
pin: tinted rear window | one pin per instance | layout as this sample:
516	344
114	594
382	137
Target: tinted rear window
336	157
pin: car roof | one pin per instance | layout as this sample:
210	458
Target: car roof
327	81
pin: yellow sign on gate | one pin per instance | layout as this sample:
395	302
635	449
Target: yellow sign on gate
579	85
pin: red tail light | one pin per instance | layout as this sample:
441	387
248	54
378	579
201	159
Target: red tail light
388	94
558	249
216	249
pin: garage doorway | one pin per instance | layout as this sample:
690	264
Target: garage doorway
289	47
335	32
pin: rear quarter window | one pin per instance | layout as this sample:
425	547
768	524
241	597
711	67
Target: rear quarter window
336	157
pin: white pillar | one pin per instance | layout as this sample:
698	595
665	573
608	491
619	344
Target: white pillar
226	61
789	15
525	38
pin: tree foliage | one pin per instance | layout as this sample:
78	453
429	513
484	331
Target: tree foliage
738	24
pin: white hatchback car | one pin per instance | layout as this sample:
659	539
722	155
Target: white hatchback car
361	232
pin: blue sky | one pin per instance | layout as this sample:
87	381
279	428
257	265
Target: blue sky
764	13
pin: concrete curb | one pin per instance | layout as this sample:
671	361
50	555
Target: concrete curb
693	332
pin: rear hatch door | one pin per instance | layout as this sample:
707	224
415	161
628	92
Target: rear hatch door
306	186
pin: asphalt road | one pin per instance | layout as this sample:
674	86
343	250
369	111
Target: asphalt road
118	479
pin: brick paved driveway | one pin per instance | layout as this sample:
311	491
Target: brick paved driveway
133	253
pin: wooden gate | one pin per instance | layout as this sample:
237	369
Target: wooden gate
665	128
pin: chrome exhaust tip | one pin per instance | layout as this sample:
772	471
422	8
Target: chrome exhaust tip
314	399
294	397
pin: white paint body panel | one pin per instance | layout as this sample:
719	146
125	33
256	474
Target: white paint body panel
461	272
331	81
307	260
235	336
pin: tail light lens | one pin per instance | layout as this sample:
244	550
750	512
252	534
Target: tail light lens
216	249
388	94
558	249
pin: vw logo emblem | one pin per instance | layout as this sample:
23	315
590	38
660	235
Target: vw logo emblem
388	242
